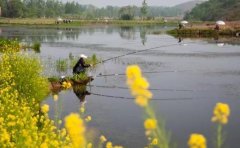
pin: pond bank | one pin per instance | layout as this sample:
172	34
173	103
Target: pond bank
52	22
207	30
194	32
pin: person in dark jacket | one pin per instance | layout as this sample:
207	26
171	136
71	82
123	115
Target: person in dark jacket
80	66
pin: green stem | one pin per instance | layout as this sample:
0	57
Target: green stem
219	136
160	132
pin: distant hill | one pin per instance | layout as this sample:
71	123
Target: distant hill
213	10
188	6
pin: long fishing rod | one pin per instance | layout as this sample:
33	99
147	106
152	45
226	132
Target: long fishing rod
152	89
143	50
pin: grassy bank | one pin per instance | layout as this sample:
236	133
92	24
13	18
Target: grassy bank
199	32
206	29
51	22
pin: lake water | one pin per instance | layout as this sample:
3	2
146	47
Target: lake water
191	77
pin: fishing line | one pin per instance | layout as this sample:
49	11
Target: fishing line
153	89
128	98
148	72
162	99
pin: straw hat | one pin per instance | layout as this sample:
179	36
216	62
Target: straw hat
83	56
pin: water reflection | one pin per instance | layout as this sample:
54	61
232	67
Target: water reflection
80	91
51	34
127	32
143	32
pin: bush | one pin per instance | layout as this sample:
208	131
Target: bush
24	72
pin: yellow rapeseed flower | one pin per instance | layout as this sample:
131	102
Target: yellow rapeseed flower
138	85
89	145
103	139
82	110
55	97
45	108
88	118
154	141
66	85
197	141
109	145
76	129
133	72
150	124
141	101
221	113
44	145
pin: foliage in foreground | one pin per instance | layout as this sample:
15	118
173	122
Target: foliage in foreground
23	121
155	129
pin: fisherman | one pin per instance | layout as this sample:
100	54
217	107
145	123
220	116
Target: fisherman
80	66
180	26
217	27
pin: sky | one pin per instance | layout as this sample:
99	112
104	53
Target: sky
102	3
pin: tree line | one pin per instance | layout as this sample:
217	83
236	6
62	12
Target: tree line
55	8
213	10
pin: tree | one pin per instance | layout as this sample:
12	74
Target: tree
126	13
15	8
144	9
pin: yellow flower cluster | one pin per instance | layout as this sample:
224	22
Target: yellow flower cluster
21	123
76	129
138	85
66	85
110	145
221	113
150	124
197	141
55	97
103	139
45	108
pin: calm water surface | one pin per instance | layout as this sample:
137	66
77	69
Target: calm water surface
195	75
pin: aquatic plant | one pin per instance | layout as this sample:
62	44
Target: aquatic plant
36	47
80	77
61	65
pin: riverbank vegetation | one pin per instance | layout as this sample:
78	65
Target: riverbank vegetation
214	10
207	30
71	10
51	22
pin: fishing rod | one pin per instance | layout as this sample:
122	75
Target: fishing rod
152	89
139	51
